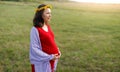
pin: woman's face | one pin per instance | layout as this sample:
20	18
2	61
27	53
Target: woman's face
47	15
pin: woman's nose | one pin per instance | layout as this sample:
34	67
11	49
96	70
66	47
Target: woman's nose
50	15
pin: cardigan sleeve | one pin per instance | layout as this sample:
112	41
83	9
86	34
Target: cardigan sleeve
36	53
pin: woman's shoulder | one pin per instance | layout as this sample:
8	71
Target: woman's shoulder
33	29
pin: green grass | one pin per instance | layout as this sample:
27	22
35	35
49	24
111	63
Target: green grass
88	36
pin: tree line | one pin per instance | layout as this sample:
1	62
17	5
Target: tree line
31	0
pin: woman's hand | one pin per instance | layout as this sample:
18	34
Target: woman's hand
56	56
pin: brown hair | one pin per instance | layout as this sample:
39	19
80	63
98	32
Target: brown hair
38	20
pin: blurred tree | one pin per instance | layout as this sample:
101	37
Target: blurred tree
18	0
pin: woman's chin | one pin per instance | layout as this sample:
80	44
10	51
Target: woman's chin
48	20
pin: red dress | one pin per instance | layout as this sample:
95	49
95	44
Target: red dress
48	43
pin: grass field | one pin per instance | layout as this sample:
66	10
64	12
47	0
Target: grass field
88	36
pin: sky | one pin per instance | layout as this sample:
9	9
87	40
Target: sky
99	1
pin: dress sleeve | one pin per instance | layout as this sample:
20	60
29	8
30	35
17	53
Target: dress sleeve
36	52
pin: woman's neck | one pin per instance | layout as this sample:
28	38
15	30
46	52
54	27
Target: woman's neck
45	28
46	22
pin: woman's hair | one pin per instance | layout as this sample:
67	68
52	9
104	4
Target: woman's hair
38	21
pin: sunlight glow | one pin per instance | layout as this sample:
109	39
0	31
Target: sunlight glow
99	1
